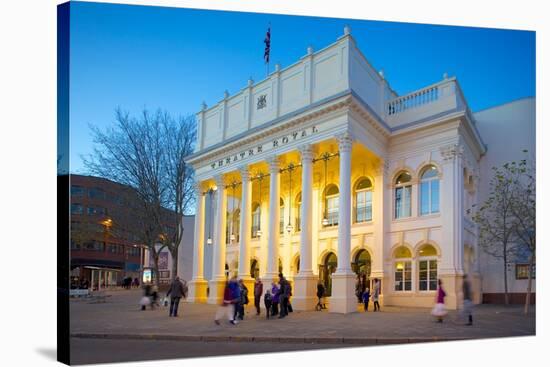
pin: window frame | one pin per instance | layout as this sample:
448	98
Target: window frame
368	203
525	277
405	261
332	219
405	186
429	181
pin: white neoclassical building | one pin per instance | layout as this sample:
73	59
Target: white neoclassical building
322	172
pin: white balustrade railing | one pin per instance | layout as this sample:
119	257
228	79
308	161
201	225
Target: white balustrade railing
412	100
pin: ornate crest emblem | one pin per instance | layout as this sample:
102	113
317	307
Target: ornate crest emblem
262	102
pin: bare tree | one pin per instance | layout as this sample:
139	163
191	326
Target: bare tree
496	220
179	138
131	153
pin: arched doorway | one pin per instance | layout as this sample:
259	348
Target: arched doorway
325	272
254	269
362	266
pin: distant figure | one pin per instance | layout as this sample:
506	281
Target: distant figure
227	307
467	300
178	289
320	295
284	295
439	309
136	282
358	289
274	299
258	290
267	302
366	296
154	296
376	294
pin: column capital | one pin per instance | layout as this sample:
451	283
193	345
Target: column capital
273	164
345	141
245	173
197	186
219	181
306	152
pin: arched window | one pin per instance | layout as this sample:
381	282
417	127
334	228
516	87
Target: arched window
255	220
363	200
281	216
427	268
429	190
403	190
402	269
237	224
298	212
331	206
362	264
325	272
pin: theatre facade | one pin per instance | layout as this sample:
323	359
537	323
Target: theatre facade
322	172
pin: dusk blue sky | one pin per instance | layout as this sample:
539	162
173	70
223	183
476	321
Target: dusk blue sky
137	57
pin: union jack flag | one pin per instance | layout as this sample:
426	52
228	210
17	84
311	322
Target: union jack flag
267	42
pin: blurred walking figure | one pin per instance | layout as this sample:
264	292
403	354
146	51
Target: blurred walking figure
439	309
258	290
320	295
154	296
358	290
467	300
366	296
376	294
267	302
178	289
284	295
227	307
146	299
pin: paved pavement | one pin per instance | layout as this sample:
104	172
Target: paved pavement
120	318
85	351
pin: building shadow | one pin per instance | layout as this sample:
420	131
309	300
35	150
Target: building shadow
50	353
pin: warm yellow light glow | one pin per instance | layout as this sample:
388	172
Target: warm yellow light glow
107	222
399	266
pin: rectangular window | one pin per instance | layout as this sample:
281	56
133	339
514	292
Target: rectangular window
427	275
435	196
403	202
403	276
332	211
255	224
94	246
522	271
297	218
116	249
77	209
364	206
97	210
77	190
75	245
96	193
133	251
425	198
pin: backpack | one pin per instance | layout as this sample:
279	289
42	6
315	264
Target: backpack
267	297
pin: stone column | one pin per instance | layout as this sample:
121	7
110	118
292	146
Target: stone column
381	210
305	282
343	280
273	230
244	232
452	218
217	283
197	285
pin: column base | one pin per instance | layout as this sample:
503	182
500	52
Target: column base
343	298
197	291
305	292
215	294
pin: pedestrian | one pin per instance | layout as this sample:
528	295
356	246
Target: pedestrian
376	294
439	309
467	300
358	291
154	296
320	295
227	306
267	302
146	299
243	300
177	290
258	290
366	296
274	299
284	294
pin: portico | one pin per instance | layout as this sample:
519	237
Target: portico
331	178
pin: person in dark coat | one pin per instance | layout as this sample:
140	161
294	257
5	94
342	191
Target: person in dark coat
242	301
178	289
376	294
366	296
320	295
467	300
267	302
284	295
258	291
